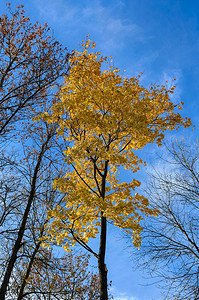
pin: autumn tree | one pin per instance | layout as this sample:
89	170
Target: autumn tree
27	269
30	62
170	248
106	118
65	277
18	217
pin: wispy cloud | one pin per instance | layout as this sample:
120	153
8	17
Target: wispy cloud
121	295
80	18
59	12
168	79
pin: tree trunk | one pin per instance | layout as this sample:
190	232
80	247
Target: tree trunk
18	242
15	250
23	285
101	261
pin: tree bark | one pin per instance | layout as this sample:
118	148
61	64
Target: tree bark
101	261
102	249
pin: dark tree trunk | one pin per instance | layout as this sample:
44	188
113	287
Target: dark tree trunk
102	249
101	261
18	242
23	285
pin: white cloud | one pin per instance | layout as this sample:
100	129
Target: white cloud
118	26
117	295
123	297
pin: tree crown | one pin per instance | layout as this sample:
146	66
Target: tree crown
106	118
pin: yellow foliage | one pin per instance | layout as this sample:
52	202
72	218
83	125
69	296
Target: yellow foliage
105	117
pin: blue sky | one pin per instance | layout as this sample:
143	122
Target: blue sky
157	37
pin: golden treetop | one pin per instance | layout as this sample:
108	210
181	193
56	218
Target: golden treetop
102	109
105	117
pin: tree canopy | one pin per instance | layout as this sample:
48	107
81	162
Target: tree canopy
105	118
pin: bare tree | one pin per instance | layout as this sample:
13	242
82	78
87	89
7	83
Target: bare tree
170	247
29	195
